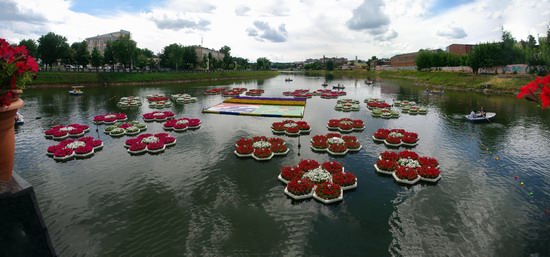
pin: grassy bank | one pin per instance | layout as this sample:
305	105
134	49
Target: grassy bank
115	78
455	80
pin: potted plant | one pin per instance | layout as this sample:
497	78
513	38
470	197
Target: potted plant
337	149
333	167
388	155
299	188
278	127
393	141
429	174
328	192
307	165
428	161
279	149
137	148
319	145
406	175
155	147
380	134
262	154
289	173
385	166
318	175
409	139
345	179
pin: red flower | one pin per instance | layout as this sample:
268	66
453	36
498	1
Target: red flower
245	149
408	154
409	138
96	143
303	125
349	138
307	165
320	144
333	123
358	124
332	167
352	144
62	152
392	156
299	186
331	135
381	133
168	140
529	91
328	190
406	173
338	148
155	146
84	149
427	161
393	140
343	179
278	148
293	130
276	140
322	138
344	126
278	126
289	173
262	153
137	146
259	138
386	165
428	172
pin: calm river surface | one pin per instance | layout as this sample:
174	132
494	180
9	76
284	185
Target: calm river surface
199	199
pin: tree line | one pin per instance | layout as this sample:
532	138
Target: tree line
123	52
535	53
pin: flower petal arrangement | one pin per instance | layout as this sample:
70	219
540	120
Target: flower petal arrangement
335	144
125	128
183	98
260	148
346	125
61	132
69	149
347	105
254	92
182	124
110	118
395	137
158	116
408	167
151	143
325	182
129	102
290	127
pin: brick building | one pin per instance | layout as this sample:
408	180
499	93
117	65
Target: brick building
404	60
459	49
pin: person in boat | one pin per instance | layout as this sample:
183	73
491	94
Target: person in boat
481	112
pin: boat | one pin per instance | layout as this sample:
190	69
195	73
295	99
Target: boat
435	91
369	82
338	87
288	79
324	84
19	120
76	90
477	117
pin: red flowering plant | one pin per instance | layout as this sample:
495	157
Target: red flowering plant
245	149
328	190
387	155
344	179
428	161
393	140
293	130
428	172
137	146
333	167
409	138
540	86
262	153
289	173
406	173
307	165
386	165
279	148
358	124
17	68
303	125
278	126
300	186
319	138
408	155
319	144
338	148
381	133
84	149
352	145
155	146
245	141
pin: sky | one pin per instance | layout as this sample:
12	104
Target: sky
281	30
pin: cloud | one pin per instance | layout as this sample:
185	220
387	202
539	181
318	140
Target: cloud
10	12
262	31
196	6
242	10
181	23
452	32
386	36
279	8
368	16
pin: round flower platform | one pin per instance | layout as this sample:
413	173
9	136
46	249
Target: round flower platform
125	128
149	143
335	144
407	167
395	137
182	124
129	102
183	98
69	149
110	118
290	127
347	105
63	132
325	182
260	148
254	92
158	116
346	125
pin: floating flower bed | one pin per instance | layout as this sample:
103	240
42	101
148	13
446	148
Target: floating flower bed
290	127
347	105
183	98
407	167
335	144
255	92
110	118
62	132
215	91
182	124
395	137
69	149
129	101
260	148
158	116
332	94
150	143
125	128
324	182
346	125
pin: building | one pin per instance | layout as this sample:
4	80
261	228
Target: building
459	49
203	51
404	60
100	41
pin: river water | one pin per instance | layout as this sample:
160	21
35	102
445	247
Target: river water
199	199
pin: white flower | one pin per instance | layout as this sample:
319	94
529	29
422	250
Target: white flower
75	144
290	125
395	134
261	144
132	129
66	128
110	116
117	130
158	114
182	122
346	122
335	140
318	175
151	139
408	163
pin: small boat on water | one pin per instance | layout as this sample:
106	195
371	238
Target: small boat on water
288	79
19	119
76	90
324	84
435	91
338	87
478	117
369	82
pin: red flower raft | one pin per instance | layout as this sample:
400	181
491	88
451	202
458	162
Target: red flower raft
182	124
290	127
110	118
150	143
324	182
158	116
335	144
346	125
70	148
62	132
407	167
260	148
395	137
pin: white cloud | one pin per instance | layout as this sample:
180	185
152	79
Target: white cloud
263	31
242	10
452	32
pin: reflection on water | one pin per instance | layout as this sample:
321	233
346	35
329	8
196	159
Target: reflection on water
197	198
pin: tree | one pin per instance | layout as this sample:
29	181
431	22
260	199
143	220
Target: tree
189	57
124	49
52	47
227	56
109	56
96	58
330	65
81	53
263	63
31	46
172	56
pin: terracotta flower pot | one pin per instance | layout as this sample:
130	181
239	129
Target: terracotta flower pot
7	139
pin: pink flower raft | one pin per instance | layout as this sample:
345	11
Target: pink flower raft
62	132
150	143
69	148
110	118
182	124
158	116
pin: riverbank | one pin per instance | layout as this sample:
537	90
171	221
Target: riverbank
502	83
68	79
